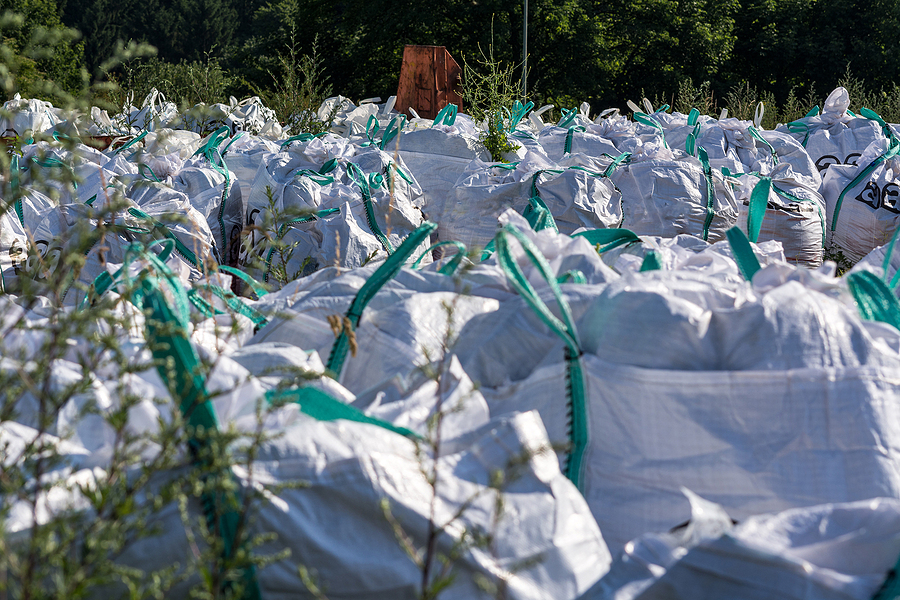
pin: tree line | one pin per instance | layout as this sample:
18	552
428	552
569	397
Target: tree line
604	52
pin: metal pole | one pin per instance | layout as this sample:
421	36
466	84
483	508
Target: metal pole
525	53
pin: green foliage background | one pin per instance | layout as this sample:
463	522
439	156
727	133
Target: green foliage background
602	51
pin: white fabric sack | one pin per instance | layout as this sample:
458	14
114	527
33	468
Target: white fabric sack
437	158
831	551
664	194
672	357
794	216
865	216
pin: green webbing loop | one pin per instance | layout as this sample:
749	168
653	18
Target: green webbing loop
789	196
322	407
885	128
131	143
758	137
573	275
446	116
212	142
360	179
800	127
710	192
563	327
759	200
171	347
690	144
303	137
891	152
452	264
569	133
537	212
183	250
15	188
314	176
372	128
392	167
624	157
652	262
142	167
236	137
568	117
387	271
256	286
394	127
518	113
607	239
814	112
875	301
693	117
236	304
647	120
743	253
511	166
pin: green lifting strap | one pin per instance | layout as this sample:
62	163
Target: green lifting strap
210	150
572	275
690	144
607	239
568	117
167	334
446	116
452	264
759	138
800	127
743	253
693	117
322	407
563	327
569	134
813	112
874	299
387	271
256	286
652	262
365	187
791	197
132	142
759	201
647	120
394	127
518	113
15	188
180	248
703	157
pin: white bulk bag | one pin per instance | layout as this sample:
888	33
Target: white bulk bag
831	551
862	200
793	214
667	194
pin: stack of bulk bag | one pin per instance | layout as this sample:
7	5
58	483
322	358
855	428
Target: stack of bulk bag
862	199
345	213
27	117
575	197
781	207
667	194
